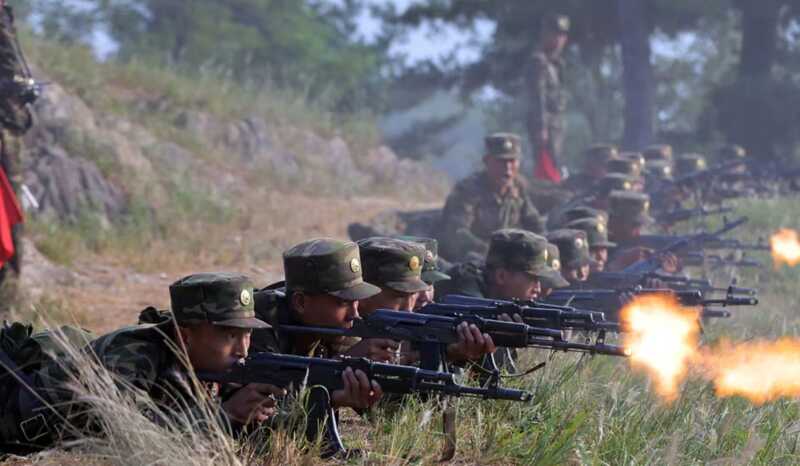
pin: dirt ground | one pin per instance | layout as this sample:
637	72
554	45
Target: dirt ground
107	292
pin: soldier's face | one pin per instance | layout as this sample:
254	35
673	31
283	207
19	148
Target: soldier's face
389	299
501	171
325	310
424	298
512	284
215	348
554	43
600	256
576	274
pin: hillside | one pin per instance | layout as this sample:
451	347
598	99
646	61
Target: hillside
143	174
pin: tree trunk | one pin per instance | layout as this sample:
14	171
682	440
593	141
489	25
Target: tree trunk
637	74
759	37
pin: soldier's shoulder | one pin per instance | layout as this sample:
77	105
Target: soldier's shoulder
466	278
137	349
471	185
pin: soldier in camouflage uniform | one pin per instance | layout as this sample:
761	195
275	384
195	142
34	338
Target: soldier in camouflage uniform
597	234
15	116
573	247
487	201
515	268
548	97
323	287
212	319
396	267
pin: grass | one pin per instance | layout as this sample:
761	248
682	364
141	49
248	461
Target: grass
586	410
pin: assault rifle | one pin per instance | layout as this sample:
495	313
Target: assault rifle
535	313
696	259
433	327
324	376
610	302
682	215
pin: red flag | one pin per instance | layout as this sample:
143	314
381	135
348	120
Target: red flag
10	215
546	168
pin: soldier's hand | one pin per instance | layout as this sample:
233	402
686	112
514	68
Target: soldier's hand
358	392
472	344
253	402
375	349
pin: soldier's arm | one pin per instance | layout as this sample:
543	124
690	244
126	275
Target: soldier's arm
531	219
458	216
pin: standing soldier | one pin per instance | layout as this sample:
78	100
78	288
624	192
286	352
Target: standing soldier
17	90
546	112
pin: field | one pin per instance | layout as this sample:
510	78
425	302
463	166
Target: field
586	410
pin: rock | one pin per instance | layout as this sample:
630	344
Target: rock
56	109
65	186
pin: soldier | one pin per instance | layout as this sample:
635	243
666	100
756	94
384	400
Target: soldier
431	272
689	163
211	322
573	246
396	267
15	116
323	287
514	268
597	234
487	201
546	111
595	160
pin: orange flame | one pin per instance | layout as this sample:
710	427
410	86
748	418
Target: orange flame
662	338
760	371
785	246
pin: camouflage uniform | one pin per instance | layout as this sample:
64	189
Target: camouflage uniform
474	210
143	360
317	266
15	117
548	97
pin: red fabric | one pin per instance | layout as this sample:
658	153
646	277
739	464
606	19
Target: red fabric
546	168
10	215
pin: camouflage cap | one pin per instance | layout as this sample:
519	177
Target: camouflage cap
224	299
658	152
430	266
624	166
522	251
629	208
503	145
689	163
615	182
659	169
601	152
554	280
393	263
582	212
556	23
596	232
573	247
732	151
326	266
